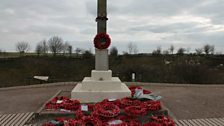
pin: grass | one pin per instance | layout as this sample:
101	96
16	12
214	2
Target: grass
18	70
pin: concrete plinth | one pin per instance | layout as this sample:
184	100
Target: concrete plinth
101	75
106	85
95	89
92	96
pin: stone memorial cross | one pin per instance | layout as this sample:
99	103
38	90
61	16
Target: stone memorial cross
101	59
101	84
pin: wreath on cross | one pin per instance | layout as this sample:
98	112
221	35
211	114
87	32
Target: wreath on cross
102	41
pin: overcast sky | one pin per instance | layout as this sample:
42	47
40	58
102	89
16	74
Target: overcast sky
147	23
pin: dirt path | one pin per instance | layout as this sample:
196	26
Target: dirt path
184	102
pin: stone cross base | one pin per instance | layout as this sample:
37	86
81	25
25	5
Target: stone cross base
99	86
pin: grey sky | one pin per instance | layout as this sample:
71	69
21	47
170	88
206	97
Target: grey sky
147	23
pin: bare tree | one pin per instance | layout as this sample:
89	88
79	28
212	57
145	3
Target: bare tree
113	51
158	51
1	52
171	49
41	47
70	50
55	45
22	47
212	49
87	54
135	49
78	51
209	49
206	49
199	51
181	51
132	48
188	49
66	47
45	46
166	52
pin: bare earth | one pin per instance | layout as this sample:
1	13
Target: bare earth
182	101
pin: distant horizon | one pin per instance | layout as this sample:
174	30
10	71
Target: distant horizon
187	50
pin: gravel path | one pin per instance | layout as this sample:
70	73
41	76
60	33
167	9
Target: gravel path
183	101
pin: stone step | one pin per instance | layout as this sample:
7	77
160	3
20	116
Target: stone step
201	122
19	119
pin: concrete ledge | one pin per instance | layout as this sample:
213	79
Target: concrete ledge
128	83
113	84
172	84
38	86
101	75
43	106
97	96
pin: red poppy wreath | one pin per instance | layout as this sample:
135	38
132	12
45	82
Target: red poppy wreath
102	41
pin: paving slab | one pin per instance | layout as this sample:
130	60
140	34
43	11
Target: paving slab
191	102
25	99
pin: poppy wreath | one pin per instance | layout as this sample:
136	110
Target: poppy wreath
131	121
126	102
164	120
116	102
48	124
151	105
132	88
90	107
107	110
152	124
135	111
66	103
73	122
109	123
70	104
52	104
61	121
86	120
79	114
91	121
102	41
